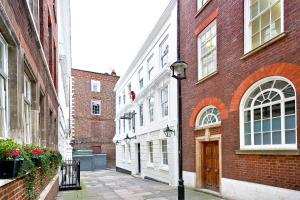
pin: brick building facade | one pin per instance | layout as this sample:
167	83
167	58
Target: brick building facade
94	112
28	80
241	55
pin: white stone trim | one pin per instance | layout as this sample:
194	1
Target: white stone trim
242	190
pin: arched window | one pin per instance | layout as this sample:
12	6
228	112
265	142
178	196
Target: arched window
268	115
208	116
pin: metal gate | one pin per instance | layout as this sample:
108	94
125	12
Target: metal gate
70	175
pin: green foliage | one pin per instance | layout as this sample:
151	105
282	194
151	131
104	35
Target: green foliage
49	161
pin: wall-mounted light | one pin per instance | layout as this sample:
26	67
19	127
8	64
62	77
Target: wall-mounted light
168	132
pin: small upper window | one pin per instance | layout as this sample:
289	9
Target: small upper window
207	51
264	21
164	51
96	108
150	67
201	3
141	78
209	116
268	115
95	86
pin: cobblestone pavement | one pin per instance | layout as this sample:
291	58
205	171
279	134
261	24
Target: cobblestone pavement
112	185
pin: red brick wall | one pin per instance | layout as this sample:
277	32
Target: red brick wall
26	42
227	84
96	132
17	189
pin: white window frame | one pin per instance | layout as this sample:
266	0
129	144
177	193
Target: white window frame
166	102
141	114
129	152
4	89
242	104
141	78
123	152
202	112
247	25
150	65
163	153
164	51
151	108
151	152
96	102
95	86
200	73
201	3
27	110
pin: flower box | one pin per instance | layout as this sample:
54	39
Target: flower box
9	168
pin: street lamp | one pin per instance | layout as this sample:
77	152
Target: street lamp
179	72
127	138
168	132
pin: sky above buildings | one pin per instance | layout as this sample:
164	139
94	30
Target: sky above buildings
107	34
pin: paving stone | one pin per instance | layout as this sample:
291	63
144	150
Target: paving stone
112	185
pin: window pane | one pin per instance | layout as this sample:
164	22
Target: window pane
266	112
275	12
290	137
247	128
276	110
257	126
254	10
276	124
280	84
290	122
266	125
257	114
267	138
265	19
290	107
289	92
264	4
257	139
265	34
255	40
255	26
248	139
247	116
276	138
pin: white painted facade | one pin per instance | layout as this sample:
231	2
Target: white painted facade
64	74
147	83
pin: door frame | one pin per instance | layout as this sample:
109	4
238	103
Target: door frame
199	157
138	158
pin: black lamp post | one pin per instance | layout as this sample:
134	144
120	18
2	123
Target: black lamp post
127	138
179	72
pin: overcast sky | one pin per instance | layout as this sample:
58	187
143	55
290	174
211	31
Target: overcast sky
107	34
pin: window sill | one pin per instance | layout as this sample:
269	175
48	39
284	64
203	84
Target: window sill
207	77
201	9
262	46
150	165
164	168
268	152
6	181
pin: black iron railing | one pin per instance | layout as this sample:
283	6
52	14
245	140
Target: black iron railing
70	175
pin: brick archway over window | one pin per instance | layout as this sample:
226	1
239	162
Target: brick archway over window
207	102
287	70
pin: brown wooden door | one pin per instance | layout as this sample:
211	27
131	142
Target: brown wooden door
210	167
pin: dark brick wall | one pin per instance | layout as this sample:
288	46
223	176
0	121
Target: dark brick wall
232	71
95	132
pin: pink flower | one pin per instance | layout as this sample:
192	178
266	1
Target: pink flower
16	153
37	152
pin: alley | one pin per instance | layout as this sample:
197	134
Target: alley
108	184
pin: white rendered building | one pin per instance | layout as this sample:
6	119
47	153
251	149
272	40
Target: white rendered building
146	102
64	75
